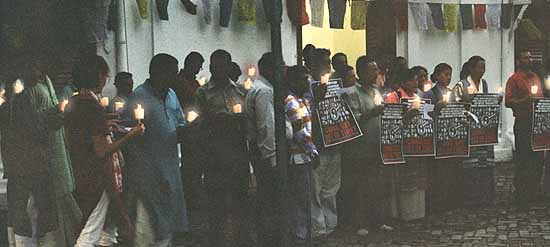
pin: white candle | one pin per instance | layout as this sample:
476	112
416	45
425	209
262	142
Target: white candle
2	92
18	87
75	93
191	116
104	101
202	81
119	106
472	89
325	78
547	82
2	100
237	108
447	97
247	84
377	99
251	72
416	103
63	105
139	112
427	87
534	89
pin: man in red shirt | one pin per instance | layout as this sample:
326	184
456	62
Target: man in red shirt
528	164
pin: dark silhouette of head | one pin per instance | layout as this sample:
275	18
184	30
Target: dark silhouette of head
308	55
235	72
220	65
297	79
367	70
163	70
266	65
124	83
193	63
339	60
91	73
320	63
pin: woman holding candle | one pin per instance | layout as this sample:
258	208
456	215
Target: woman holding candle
372	181
479	168
424	83
95	157
410	192
444	175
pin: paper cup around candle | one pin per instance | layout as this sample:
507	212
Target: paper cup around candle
139	112
2	92
104	101
202	81
547	83
119	106
75	93
18	87
377	100
63	105
325	78
499	90
427	87
237	108
191	116
2	100
471	90
416	103
534	89
447	97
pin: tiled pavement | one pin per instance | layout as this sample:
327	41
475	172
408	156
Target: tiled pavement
499	225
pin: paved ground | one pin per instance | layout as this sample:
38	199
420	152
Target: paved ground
499	225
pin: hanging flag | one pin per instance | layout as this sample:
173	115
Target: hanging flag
337	12
317	12
359	14
293	7
207	11
162	8
494	13
467	14
143	7
226	6
451	17
247	11
437	15
480	21
401	12
420	15
506	17
189	6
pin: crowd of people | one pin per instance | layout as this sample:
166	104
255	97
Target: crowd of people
84	170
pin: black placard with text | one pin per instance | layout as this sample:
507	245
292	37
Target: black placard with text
452	135
391	134
540	137
487	109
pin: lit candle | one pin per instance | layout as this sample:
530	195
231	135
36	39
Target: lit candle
63	105
18	87
472	89
377	99
119	106
75	93
2	100
427	87
447	97
104	101
416	103
139	113
191	116
202	81
325	78
237	108
500	90
534	89
251	72
247	84
2	92
302	112
547	82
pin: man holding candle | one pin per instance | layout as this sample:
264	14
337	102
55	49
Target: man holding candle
521	87
220	102
261	136
155	191
187	84
124	85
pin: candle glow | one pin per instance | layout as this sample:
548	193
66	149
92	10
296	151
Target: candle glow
237	108
191	116
247	84
534	89
416	103
139	112
104	101
377	100
119	106
427	87
251	72
63	105
472	89
325	78
500	90
202	81
447	97
18	87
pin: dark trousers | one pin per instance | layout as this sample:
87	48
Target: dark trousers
337	11
528	164
19	191
227	187
269	196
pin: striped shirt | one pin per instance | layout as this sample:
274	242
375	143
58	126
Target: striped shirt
302	149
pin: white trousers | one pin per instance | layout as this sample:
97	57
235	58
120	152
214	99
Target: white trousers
94	233
145	236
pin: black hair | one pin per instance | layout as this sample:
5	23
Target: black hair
362	61
406	75
266	62
320	53
192	57
222	54
467	67
86	72
419	68
235	71
292	76
339	54
439	69
160	62
346	68
122	77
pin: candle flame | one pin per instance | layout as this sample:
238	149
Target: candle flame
247	84
202	81
237	108
191	116
18	87
325	78
251	72
63	105
534	89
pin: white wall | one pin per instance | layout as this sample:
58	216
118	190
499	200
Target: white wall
184	33
429	48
